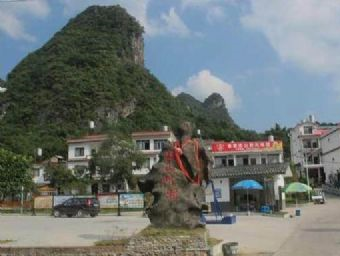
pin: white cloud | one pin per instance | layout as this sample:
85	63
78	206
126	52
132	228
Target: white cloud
204	83
199	3
213	9
168	23
215	14
172	24
13	14
303	32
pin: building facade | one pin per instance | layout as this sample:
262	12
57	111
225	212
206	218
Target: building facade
330	145
306	150
81	150
40	177
258	160
151	143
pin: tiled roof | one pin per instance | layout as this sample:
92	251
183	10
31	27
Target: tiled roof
151	134
251	170
88	138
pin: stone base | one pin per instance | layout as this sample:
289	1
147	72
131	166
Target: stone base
167	245
117	250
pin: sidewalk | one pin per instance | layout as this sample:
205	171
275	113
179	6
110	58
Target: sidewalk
257	234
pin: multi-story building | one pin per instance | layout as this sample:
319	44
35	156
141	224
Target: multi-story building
150	143
40	177
81	150
330	145
258	160
306	150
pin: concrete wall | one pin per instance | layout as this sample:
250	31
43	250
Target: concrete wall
279	181
88	147
331	152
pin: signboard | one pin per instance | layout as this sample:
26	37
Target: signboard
135	201
108	201
218	193
43	202
127	200
246	146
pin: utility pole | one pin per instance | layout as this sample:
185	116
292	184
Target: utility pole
22	200
307	175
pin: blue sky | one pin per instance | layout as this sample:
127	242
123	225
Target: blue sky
273	61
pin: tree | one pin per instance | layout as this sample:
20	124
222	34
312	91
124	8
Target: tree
114	160
15	174
64	180
281	134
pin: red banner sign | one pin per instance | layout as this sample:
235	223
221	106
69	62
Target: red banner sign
246	146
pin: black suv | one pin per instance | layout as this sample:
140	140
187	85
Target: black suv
78	207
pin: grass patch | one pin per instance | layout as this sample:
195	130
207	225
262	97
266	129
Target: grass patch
111	242
171	231
6	241
212	241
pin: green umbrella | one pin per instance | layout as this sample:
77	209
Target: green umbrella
297	187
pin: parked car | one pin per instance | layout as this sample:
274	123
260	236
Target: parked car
77	207
318	196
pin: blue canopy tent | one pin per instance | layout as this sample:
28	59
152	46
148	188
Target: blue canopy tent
247	185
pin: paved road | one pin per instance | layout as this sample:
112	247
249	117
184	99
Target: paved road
317	233
48	231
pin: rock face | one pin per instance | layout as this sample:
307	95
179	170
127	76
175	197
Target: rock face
175	183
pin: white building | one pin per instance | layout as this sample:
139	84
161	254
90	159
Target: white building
150	143
40	177
306	150
330	144
258	160
80	150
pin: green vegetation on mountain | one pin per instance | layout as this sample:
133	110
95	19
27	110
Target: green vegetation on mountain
92	69
281	133
213	119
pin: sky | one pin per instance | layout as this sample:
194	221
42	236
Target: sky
272	61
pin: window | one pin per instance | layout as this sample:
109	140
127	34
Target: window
143	144
93	151
36	173
79	152
307	144
159	144
253	161
230	162
315	144
263	160
146	164
245	161
308	130
220	161
239	160
106	188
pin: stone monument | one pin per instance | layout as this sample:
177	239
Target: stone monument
176	182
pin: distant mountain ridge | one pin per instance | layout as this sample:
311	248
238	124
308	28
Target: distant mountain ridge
213	118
